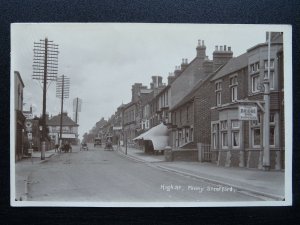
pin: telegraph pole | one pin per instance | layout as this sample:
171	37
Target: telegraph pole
76	110
62	92
266	120
45	66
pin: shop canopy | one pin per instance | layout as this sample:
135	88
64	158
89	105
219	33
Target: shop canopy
158	135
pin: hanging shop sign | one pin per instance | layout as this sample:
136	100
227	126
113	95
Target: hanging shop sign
248	112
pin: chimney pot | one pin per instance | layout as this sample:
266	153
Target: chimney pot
221	48
216	48
229	48
199	42
225	48
203	42
183	61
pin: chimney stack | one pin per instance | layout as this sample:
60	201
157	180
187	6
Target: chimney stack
177	71
171	78
221	56
184	64
201	48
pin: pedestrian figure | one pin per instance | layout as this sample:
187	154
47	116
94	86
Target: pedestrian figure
67	147
56	147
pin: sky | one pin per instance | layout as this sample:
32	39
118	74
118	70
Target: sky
103	60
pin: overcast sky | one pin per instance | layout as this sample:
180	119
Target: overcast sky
103	60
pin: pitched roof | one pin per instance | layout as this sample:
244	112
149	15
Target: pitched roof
233	65
190	95
66	121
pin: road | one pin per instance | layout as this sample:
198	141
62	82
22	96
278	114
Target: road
98	175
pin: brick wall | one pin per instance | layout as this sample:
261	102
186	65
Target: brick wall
204	100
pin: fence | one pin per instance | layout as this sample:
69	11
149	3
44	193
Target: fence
204	153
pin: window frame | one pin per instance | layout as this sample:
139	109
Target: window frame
255	76
272	64
232	138
215	135
218	91
222	139
253	137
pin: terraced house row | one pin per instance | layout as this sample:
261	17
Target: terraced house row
200	107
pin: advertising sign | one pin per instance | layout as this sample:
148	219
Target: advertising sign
247	112
29	135
28	126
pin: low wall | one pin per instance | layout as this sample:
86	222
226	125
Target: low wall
189	155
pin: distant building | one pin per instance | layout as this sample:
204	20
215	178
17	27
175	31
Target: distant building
129	121
69	128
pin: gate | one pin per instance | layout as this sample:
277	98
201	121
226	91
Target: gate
204	153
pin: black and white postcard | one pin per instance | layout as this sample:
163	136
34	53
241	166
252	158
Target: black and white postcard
155	115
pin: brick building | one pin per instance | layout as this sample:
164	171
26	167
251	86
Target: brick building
190	116
19	118
129	121
239	83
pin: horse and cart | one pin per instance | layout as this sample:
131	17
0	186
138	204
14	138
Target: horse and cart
108	143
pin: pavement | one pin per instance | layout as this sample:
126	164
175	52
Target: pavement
24	168
270	184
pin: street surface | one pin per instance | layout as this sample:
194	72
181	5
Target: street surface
99	175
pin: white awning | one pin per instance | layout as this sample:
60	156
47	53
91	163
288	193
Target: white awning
158	135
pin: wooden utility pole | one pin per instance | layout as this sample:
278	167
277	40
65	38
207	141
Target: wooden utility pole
45	65
62	92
